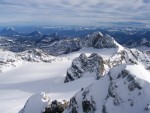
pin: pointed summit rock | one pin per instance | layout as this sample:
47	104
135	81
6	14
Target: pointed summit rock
98	40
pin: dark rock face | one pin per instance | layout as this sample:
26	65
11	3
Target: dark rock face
97	40
88	107
73	105
85	66
134	85
56	107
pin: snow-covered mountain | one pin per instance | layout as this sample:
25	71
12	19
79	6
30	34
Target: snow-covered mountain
125	89
96	65
107	77
36	55
35	35
9	60
133	56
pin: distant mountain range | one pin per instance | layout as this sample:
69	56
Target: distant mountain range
68	39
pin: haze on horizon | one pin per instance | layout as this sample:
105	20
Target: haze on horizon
75	12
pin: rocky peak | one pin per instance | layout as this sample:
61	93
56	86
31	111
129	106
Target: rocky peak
98	40
84	66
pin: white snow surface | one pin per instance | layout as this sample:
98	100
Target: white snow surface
38	105
106	53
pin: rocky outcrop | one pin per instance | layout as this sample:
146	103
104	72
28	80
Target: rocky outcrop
36	55
98	40
132	56
56	107
84	66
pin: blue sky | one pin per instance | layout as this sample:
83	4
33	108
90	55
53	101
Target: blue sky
74	12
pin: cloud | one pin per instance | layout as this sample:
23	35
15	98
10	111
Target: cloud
146	1
74	12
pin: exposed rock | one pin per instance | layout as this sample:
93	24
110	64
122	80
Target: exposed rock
73	105
36	55
147	108
132	56
104	109
98	40
56	107
84	66
88	107
134	85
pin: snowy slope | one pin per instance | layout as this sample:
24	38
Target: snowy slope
19	84
137	71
